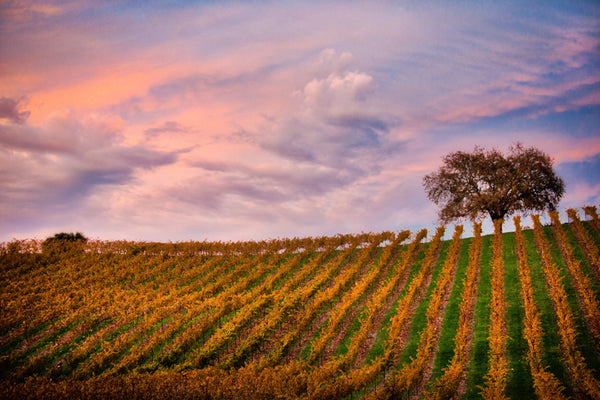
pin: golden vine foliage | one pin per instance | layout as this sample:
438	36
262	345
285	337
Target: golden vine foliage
592	252
228	319
327	385
412	374
591	305
495	379
592	212
580	373
546	385
447	386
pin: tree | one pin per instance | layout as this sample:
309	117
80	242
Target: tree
62	243
471	185
67	237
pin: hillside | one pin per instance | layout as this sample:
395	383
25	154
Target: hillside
386	315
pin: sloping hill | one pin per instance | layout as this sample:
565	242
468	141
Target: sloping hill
387	315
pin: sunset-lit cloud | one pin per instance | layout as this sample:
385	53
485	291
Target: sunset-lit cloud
236	120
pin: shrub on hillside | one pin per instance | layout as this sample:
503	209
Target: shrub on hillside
62	243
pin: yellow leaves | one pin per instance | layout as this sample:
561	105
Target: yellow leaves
573	359
495	379
412	373
244	311
414	288
447	386
591	306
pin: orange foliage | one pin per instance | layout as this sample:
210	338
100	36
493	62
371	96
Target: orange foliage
545	384
572	357
495	379
447	386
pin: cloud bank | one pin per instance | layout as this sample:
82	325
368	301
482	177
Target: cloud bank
248	121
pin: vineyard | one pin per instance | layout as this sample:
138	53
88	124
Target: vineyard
376	316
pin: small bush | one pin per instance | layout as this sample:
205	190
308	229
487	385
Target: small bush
62	243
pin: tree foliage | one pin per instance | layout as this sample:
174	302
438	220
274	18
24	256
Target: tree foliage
62	242
486	182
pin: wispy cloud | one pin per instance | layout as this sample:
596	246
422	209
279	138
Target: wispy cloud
240	120
166	127
10	109
53	168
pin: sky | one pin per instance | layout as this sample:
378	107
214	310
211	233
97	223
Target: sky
240	120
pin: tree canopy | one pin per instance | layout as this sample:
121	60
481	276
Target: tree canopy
486	182
62	242
68	237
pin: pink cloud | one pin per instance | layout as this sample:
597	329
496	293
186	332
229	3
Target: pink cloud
582	195
570	149
272	119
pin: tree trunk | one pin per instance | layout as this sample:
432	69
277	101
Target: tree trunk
495	215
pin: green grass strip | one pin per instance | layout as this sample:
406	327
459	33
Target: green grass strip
419	319
585	343
378	346
579	253
479	358
543	301
520	382
445	350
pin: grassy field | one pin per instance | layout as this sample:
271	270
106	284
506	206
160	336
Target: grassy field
378	315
